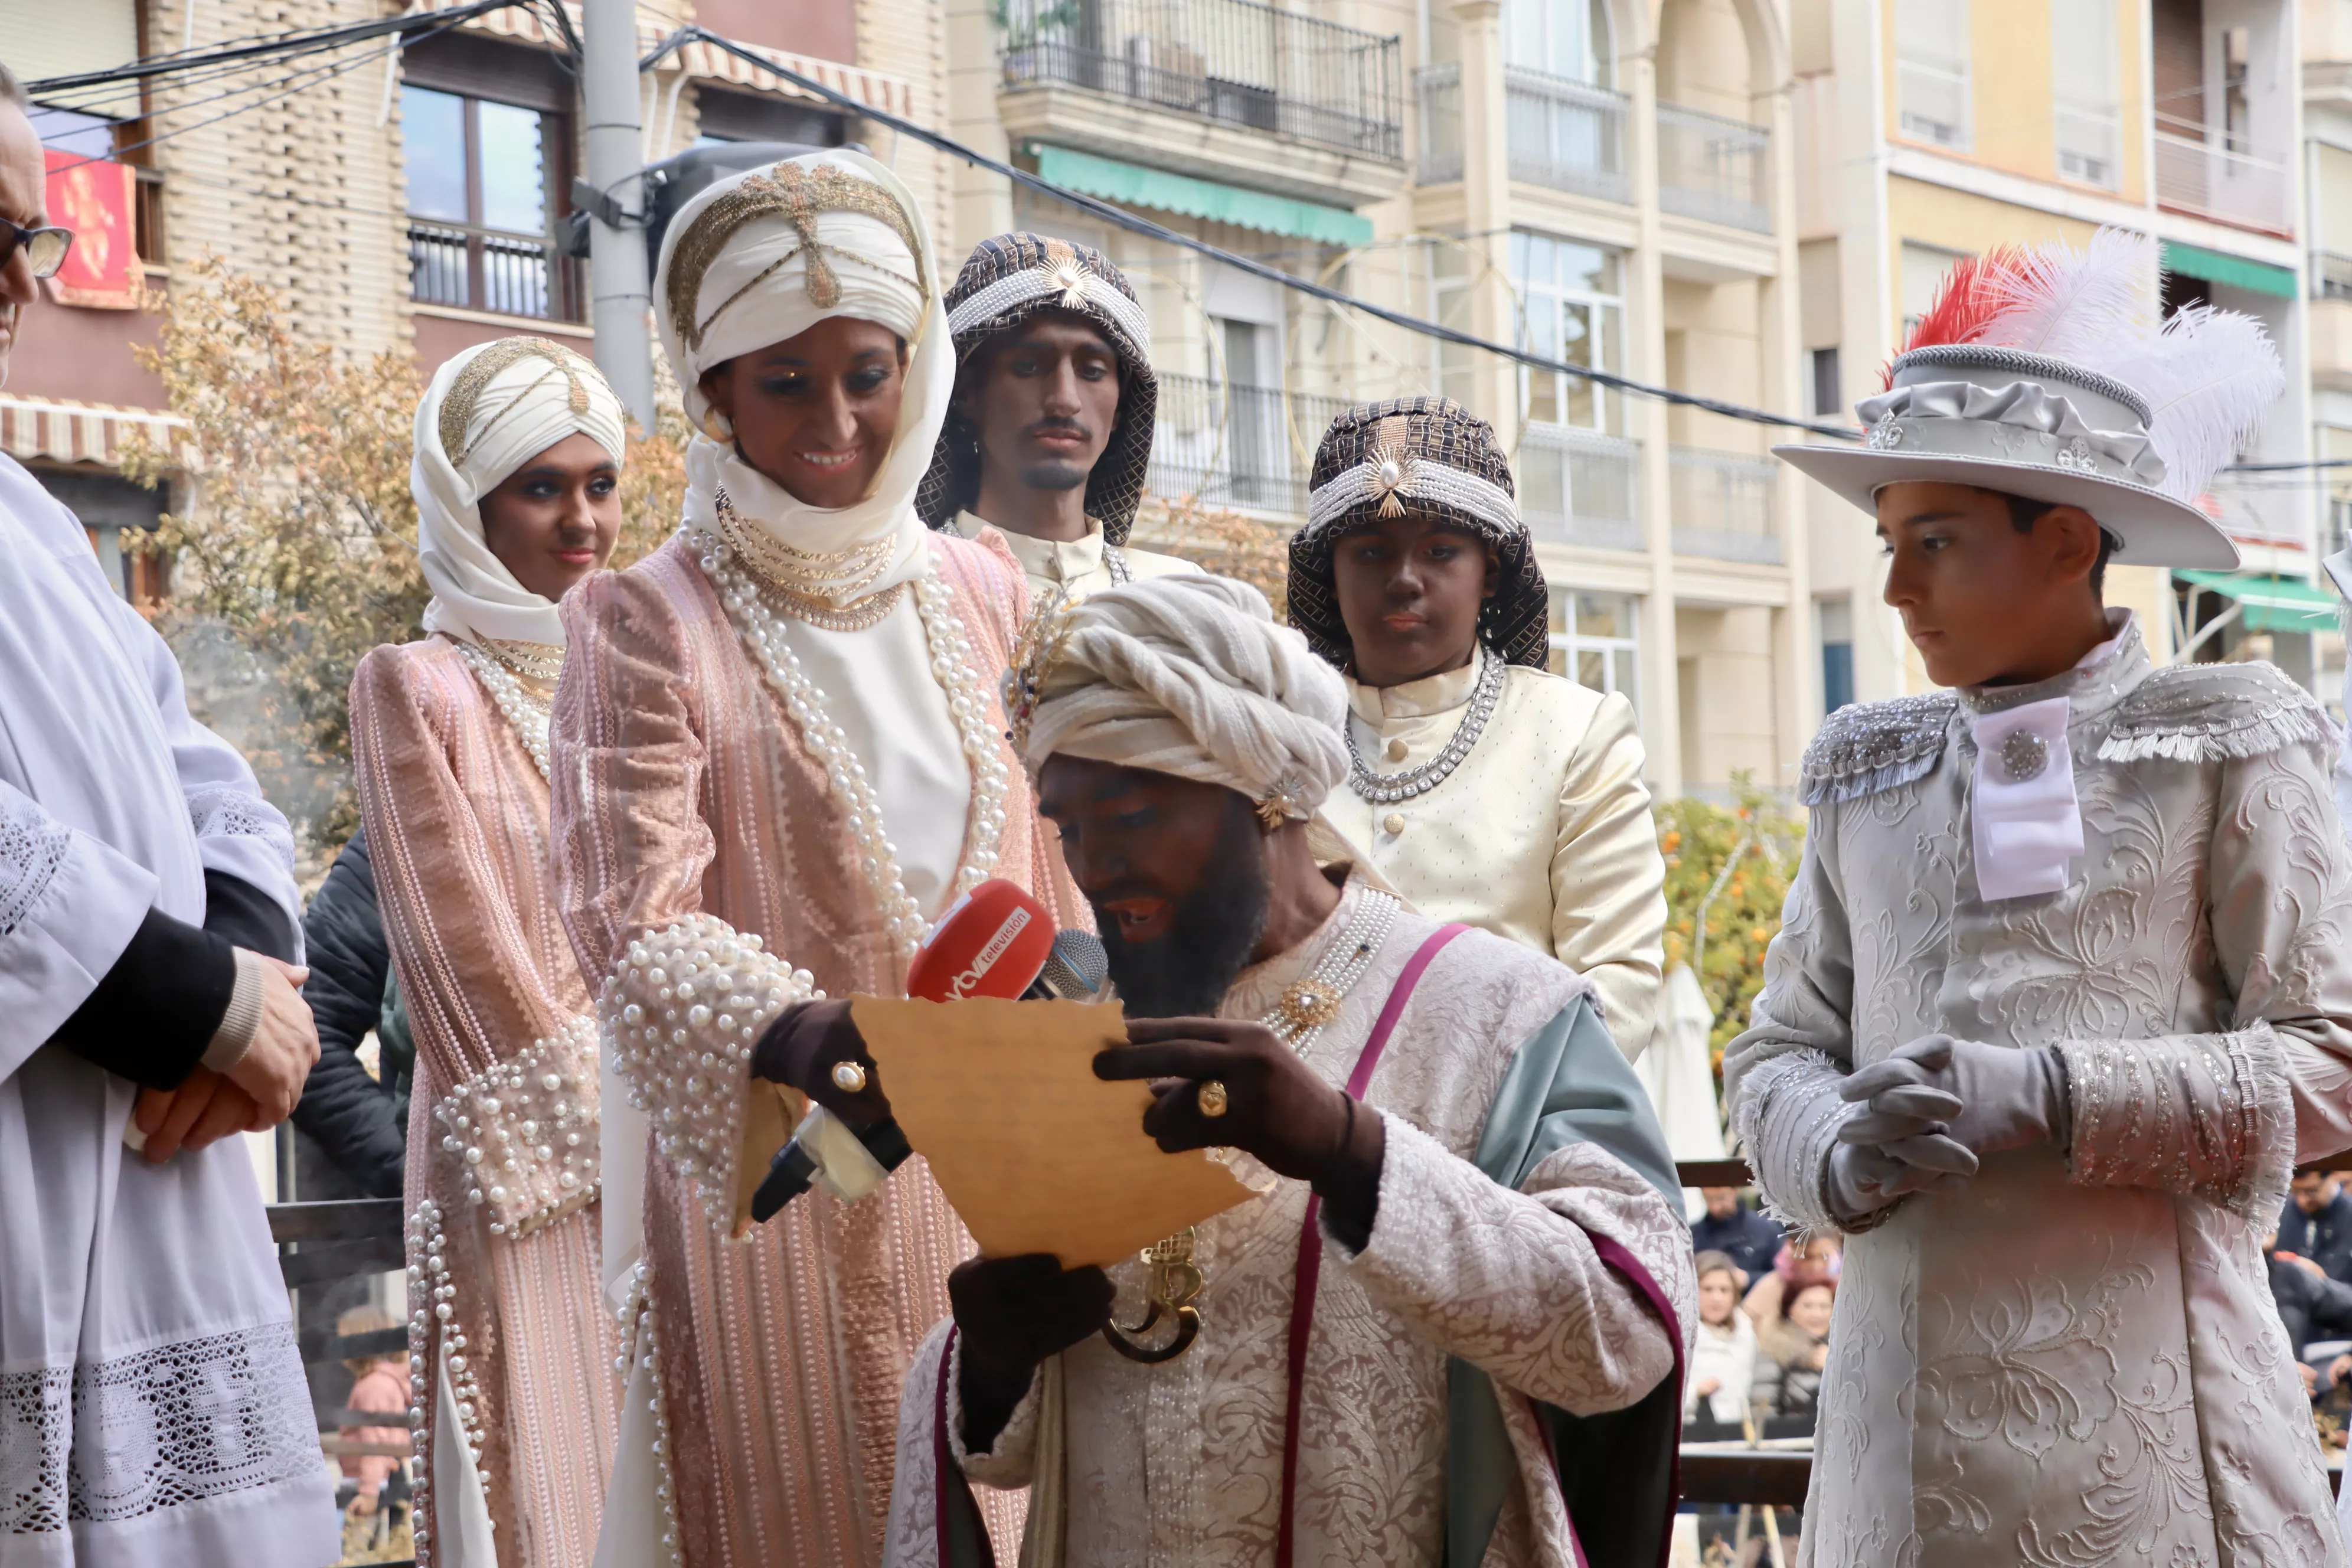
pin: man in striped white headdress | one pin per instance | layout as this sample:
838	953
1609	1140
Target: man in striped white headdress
1472	1250
1049	436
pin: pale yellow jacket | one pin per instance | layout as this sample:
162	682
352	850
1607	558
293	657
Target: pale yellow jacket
1542	835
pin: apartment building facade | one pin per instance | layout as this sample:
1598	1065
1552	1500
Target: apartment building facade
412	199
1603	180
1931	129
1736	199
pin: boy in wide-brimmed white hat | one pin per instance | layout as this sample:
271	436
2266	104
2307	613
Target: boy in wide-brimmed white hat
2063	990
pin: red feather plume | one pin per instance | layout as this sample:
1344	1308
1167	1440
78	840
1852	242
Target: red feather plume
1965	303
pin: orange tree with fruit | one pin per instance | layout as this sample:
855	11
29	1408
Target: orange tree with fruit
1727	871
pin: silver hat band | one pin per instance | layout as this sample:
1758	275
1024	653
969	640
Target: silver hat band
2022	422
1411	478
1035	282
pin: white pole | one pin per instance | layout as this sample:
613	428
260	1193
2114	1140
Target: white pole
623	294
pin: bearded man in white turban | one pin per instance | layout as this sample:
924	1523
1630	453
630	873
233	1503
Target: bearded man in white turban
1451	1327
516	475
779	756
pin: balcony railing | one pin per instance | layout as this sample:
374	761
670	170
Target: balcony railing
1441	123
1723	505
1236	445
2198	171
1715	169
1580	487
1563	134
490	270
2331	275
1233	61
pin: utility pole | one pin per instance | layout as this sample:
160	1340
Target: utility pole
615	202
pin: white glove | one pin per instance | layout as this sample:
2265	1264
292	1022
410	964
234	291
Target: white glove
1864	1177
1986	1098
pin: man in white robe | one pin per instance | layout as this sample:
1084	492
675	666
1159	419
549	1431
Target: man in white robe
153	1407
1449	1327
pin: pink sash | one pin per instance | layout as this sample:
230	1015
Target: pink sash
1310	1241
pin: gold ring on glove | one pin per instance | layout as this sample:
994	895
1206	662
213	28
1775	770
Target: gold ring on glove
849	1078
1212	1097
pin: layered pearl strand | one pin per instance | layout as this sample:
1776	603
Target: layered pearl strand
428	1282
527	713
696	984
1308	1003
762	630
641	1347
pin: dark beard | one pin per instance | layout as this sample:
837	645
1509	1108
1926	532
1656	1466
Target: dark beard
1053	475
1186	973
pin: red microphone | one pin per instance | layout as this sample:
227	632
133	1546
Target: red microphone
992	941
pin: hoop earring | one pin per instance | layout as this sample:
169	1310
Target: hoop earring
717	426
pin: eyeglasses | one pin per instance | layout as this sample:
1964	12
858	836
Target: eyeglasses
44	248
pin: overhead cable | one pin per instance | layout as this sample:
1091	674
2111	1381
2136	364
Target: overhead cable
150	66
1133	223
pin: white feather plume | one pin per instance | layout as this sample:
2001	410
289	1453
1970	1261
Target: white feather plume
2209	377
2076	304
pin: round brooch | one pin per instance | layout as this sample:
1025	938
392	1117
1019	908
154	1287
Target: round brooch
2023	755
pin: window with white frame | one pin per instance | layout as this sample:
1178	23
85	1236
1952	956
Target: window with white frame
1595	641
2085	116
1931	71
1567	38
1574	311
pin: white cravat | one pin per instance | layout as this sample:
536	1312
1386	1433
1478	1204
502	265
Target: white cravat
2027	824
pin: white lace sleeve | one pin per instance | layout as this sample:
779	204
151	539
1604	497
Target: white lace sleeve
239	832
680	1014
913	1530
1780	1077
68	906
1510	1281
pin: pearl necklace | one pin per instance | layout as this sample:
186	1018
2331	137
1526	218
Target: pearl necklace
527	713
1387	789
764	633
1308	1003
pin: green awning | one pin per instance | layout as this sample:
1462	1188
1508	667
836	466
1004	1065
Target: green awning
2236	271
2273	603
1133	185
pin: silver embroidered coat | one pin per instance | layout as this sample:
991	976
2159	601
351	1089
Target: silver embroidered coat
2076	1359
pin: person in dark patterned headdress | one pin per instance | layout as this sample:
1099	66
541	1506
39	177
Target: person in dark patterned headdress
1482	786
1050	432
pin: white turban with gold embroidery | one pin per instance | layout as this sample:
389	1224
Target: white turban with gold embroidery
488	411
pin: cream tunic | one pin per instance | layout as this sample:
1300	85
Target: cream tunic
1542	835
2076	1358
1075	566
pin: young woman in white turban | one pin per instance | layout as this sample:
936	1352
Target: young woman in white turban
780	756
516	475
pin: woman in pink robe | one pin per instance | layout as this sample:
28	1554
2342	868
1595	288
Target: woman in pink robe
780	756
518	444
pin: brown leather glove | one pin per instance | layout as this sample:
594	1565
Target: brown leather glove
1275	1107
1011	1314
800	1049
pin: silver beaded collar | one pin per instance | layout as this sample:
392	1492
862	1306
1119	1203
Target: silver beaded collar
1387	789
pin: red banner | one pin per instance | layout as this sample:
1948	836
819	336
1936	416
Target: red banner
96	201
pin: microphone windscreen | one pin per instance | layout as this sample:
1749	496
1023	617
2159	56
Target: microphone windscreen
991	943
1078	967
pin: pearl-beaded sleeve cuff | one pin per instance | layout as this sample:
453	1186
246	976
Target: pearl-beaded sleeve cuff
681	1013
526	1131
